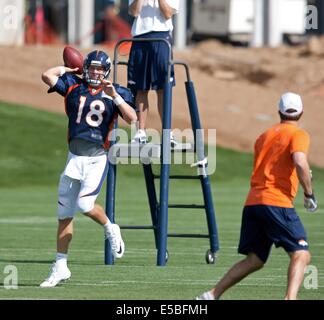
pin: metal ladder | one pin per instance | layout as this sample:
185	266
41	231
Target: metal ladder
159	209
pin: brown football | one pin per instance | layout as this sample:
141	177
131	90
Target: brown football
73	59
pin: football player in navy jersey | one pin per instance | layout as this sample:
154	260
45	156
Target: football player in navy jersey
92	104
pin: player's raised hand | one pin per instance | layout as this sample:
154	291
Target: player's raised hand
59	71
67	69
109	88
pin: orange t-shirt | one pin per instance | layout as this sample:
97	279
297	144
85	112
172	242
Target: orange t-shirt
274	179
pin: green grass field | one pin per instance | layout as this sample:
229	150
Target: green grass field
33	151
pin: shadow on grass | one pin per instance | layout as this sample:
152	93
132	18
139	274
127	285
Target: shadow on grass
70	262
26	261
34	285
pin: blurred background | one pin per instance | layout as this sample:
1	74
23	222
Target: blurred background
86	22
242	54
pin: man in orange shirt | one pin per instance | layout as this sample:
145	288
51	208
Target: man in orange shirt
269	217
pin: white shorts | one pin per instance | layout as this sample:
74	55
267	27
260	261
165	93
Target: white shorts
80	184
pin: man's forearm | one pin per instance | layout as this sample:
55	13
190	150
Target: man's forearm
166	10
305	180
304	177
136	7
129	114
51	76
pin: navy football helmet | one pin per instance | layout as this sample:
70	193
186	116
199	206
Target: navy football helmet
98	59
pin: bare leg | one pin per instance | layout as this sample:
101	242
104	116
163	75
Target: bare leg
112	231
238	271
143	106
59	270
64	235
298	261
159	94
98	215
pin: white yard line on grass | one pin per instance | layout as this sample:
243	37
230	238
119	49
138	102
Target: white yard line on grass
37	220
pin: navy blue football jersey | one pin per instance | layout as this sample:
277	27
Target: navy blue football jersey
91	112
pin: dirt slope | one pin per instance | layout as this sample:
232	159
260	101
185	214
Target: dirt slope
237	88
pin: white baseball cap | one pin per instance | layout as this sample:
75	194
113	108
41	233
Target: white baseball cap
290	100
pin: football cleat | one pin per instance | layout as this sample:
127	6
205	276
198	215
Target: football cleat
57	275
206	296
116	242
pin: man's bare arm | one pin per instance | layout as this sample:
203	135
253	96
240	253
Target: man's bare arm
166	10
305	179
51	76
136	7
303	172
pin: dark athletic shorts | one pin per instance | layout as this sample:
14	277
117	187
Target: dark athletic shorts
148	63
264	225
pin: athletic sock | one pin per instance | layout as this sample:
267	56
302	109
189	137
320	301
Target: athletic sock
141	132
107	226
61	259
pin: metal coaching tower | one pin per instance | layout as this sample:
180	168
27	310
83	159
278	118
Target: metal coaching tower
159	210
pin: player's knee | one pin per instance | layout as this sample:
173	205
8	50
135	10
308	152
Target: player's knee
302	255
66	205
64	211
63	214
141	94
308	257
255	262
257	265
85	205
